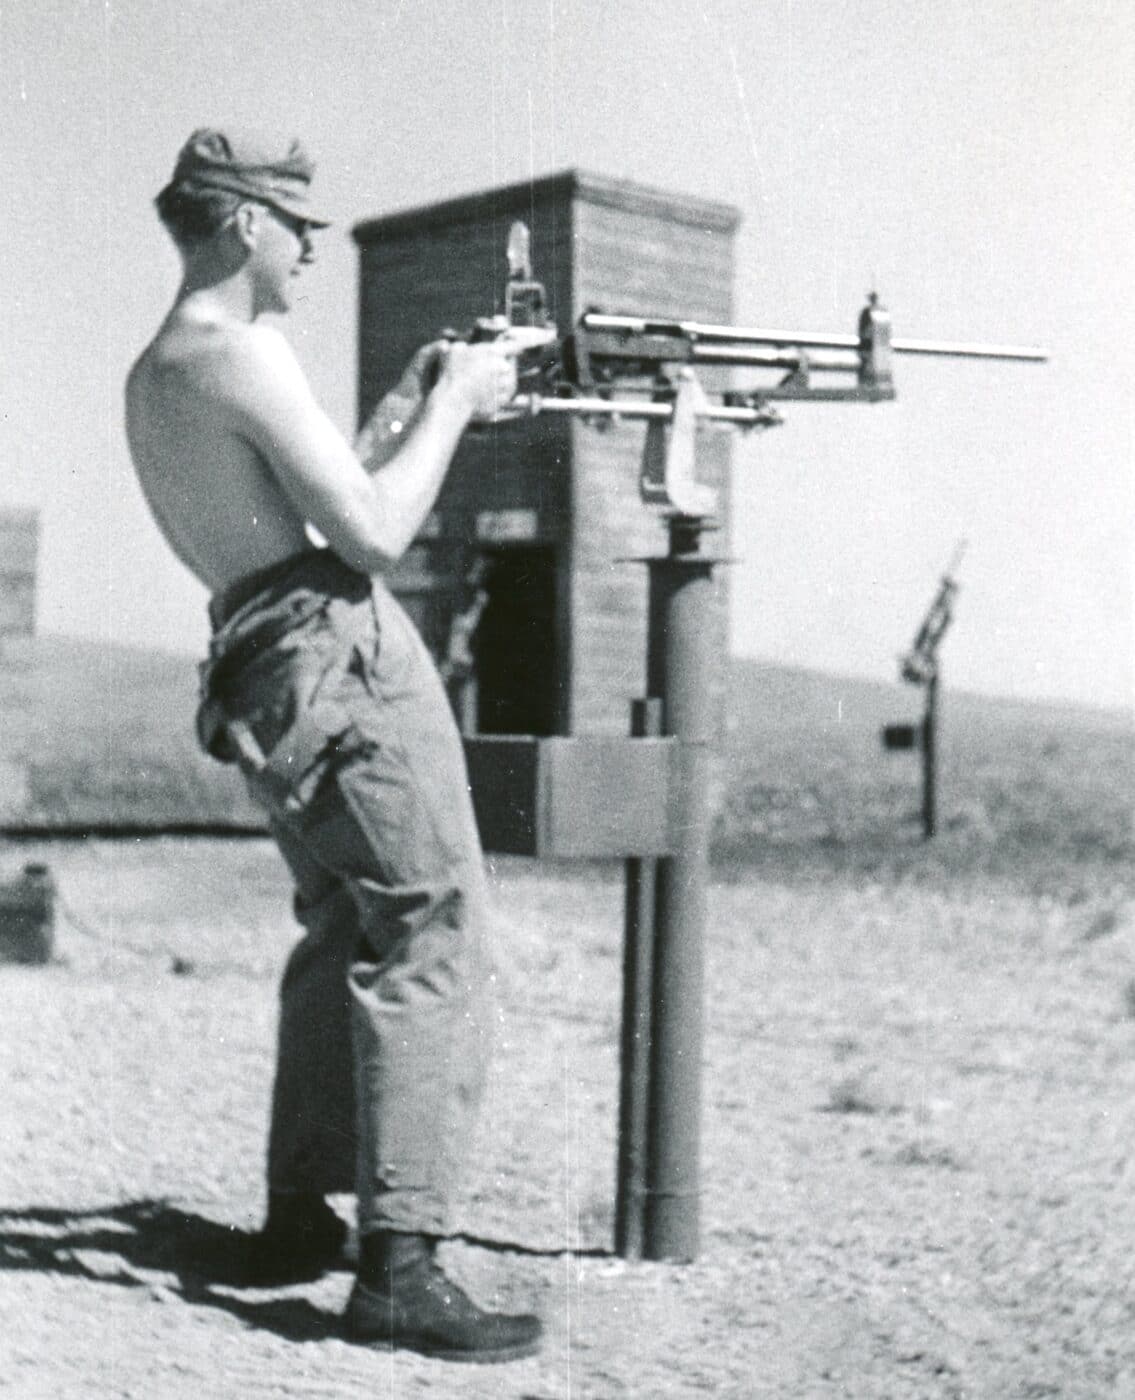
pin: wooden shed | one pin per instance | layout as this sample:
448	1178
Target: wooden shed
523	581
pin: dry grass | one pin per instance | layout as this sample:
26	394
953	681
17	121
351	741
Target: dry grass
1033	793
1037	795
103	736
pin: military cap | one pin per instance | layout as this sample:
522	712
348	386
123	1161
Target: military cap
271	171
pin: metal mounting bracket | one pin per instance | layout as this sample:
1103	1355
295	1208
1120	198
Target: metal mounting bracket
668	458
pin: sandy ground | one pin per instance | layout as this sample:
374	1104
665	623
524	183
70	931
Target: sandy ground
917	1153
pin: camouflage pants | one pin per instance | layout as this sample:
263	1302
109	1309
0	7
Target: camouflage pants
320	687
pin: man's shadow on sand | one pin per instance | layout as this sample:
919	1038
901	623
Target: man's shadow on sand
140	1236
206	1258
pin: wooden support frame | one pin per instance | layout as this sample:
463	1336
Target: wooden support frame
573	798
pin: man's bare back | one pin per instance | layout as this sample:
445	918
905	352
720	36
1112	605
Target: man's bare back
216	500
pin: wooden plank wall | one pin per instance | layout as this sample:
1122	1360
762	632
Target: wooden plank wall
673	260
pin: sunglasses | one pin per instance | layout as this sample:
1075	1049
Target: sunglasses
297	225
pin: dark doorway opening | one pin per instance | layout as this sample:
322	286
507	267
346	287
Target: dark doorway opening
514	646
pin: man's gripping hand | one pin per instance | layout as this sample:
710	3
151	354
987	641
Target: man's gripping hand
482	376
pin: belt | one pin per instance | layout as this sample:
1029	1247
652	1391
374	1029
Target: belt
228	601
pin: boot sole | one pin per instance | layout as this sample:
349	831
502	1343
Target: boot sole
487	1357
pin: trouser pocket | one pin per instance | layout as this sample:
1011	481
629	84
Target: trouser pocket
287	776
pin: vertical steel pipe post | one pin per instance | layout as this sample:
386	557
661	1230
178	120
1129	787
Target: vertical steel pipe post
634	1059
681	664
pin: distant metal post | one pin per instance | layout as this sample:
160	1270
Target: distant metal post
681	664
920	666
929	773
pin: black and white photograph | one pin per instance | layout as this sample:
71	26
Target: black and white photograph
567	700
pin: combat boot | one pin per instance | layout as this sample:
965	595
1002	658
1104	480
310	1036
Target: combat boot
403	1299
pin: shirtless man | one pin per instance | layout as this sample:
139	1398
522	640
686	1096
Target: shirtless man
319	687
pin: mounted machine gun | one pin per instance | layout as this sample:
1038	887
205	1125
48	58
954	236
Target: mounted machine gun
614	367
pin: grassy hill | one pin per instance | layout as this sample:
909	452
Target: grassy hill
95	737
1021	785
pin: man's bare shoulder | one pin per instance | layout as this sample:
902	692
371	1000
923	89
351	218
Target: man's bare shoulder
219	360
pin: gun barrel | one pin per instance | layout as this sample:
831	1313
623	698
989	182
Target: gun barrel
968	351
760	356
708	334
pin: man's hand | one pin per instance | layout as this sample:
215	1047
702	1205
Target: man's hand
482	376
479	380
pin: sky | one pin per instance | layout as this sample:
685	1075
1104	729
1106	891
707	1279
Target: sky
970	161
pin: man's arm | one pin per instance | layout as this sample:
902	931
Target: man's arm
397	412
367	520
